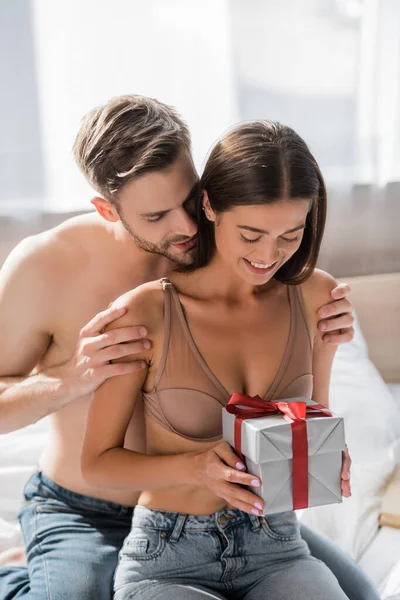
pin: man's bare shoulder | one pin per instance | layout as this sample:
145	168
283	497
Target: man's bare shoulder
79	235
49	250
317	292
144	306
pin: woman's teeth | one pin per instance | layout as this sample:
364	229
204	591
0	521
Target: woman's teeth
261	266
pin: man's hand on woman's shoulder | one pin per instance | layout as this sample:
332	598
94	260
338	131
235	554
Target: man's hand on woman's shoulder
331	309
142	311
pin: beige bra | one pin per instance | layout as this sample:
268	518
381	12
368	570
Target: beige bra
187	397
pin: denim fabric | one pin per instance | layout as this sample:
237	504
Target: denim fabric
72	543
228	554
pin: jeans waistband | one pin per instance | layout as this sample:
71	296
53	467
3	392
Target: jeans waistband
177	522
46	488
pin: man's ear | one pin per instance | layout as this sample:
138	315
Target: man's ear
210	214
105	209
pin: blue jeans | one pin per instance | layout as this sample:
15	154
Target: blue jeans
72	544
226	555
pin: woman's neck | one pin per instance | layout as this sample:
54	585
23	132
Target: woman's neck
219	281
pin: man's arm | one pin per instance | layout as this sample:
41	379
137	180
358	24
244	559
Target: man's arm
28	303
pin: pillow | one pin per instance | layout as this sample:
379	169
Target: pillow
353	524
372	425
382	562
359	394
395	391
391	588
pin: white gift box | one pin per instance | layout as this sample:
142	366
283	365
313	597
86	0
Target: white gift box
266	444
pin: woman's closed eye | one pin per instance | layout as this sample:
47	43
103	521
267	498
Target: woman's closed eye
295	239
245	239
253	241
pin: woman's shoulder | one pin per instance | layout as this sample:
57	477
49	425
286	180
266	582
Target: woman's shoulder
143	305
320	283
317	292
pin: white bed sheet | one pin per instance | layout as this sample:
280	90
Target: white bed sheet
19	455
382	562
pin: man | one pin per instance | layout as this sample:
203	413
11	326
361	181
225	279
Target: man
135	152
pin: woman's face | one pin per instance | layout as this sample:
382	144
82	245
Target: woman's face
255	241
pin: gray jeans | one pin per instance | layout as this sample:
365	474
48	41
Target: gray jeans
226	555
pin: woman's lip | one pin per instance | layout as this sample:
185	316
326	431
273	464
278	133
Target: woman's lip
258	271
186	245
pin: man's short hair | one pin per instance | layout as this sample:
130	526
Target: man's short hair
127	137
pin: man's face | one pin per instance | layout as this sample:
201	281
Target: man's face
157	210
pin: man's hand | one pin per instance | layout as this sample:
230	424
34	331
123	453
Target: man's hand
337	317
91	364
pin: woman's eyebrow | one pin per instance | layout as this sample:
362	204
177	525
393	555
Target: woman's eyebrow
256	230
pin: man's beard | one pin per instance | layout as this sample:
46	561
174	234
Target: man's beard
184	258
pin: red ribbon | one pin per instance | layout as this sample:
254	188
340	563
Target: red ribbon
295	413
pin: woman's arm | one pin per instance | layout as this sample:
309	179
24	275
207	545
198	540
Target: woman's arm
105	463
316	291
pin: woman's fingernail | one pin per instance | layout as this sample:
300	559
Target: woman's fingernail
240	465
258	505
323	312
323	326
255	482
143	331
348	474
255	512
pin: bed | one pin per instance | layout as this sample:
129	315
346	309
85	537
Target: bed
365	389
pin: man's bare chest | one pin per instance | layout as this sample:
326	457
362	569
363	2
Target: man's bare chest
80	302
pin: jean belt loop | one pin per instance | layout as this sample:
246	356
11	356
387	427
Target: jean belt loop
178	527
255	522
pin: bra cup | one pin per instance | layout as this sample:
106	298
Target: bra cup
301	386
195	415
191	413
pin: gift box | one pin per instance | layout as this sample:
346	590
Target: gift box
294	446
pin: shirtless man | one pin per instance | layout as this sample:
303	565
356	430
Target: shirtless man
135	152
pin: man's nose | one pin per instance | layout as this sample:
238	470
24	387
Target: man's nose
185	224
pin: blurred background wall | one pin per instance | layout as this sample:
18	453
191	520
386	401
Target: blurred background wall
328	68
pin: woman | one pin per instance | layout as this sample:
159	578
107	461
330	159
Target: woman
242	319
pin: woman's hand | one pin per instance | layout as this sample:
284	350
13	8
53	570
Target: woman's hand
220	469
346	465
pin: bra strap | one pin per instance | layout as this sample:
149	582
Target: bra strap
167	287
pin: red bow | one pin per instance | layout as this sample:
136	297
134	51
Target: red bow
295	413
